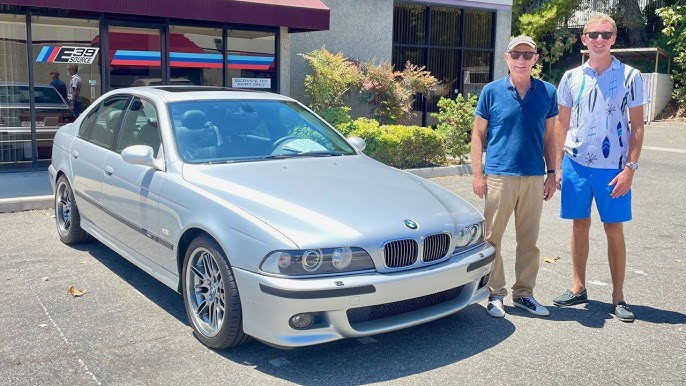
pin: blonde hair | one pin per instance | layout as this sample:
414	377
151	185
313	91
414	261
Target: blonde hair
600	18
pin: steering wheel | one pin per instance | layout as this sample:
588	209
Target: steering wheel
283	140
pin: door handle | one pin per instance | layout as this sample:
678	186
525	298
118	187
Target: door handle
75	154
109	170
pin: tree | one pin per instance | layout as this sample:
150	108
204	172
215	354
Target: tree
674	18
543	23
628	14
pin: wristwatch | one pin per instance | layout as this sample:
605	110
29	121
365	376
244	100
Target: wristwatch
632	165
551	171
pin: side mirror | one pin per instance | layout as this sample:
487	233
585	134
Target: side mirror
358	143
139	155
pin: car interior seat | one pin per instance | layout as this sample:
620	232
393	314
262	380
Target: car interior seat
149	134
198	139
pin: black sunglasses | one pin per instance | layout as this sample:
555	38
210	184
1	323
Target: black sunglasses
594	35
526	54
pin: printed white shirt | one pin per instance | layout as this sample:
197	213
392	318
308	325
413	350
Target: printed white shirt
599	131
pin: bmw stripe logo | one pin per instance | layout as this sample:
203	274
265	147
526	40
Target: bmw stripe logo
411	224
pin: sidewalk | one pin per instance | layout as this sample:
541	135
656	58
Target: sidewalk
25	191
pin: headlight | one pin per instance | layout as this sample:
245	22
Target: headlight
317	261
468	236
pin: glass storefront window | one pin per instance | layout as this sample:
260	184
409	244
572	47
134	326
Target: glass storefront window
195	56
134	55
65	59
251	59
15	125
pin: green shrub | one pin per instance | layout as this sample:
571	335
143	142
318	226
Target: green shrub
332	77
397	145
336	115
456	119
390	93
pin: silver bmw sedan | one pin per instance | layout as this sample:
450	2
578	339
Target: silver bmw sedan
269	223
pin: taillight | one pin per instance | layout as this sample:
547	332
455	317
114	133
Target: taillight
65	118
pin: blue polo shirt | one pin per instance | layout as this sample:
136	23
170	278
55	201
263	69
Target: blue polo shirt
514	143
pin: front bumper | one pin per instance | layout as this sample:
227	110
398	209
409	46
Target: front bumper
427	293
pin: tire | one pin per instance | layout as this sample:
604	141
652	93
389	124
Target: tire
210	295
67	217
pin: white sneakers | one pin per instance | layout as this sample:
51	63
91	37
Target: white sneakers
496	309
495	306
530	304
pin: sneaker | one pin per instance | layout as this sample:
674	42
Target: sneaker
495	306
623	313
530	304
569	298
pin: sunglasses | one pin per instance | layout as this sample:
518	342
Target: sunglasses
594	35
526	54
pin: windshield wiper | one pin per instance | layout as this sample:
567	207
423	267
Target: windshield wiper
304	154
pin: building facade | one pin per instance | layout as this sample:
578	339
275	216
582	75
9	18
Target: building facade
460	42
233	43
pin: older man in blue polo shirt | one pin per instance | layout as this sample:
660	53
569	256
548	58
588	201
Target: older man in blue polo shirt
514	121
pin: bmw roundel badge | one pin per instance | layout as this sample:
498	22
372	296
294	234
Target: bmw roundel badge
411	224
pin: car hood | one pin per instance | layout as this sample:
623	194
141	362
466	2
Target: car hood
340	200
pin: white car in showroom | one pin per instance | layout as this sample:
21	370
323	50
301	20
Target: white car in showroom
268	222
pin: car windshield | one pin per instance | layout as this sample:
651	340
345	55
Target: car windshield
11	94
220	131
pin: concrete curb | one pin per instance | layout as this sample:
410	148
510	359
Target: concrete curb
442	171
20	204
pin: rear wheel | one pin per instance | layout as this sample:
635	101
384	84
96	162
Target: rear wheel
211	296
67	217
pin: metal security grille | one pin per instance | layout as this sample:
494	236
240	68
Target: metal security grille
455	44
436	247
400	253
380	311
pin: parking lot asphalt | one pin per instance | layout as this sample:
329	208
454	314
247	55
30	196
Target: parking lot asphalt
128	329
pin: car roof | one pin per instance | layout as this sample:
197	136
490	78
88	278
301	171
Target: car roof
191	93
23	84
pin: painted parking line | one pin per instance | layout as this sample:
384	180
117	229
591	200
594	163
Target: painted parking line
665	149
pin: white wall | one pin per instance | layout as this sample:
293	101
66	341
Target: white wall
360	29
503	32
659	88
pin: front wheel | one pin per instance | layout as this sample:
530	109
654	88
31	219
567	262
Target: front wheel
67	217
211	296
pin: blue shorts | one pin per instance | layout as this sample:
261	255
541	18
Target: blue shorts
580	185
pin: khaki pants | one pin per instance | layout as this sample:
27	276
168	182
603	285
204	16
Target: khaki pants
524	197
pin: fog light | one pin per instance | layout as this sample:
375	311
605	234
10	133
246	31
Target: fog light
301	321
484	281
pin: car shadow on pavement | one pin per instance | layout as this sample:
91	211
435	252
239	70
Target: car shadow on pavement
378	358
151	288
594	314
384	357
